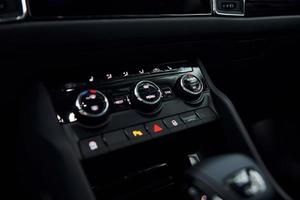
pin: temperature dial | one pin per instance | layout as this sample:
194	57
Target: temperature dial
92	107
190	88
147	96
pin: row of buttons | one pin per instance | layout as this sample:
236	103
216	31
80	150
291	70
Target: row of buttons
95	146
147	71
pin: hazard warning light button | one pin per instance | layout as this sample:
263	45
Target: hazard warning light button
156	128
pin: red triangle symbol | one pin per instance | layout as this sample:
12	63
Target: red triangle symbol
157	128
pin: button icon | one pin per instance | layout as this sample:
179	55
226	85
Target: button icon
156	70
125	74
174	122
109	76
167	92
169	68
137	133
119	102
157	128
93	145
151	96
91	79
95	108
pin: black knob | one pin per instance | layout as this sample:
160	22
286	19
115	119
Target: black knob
147	97
92	107
190	88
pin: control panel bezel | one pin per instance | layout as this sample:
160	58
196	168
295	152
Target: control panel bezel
122	120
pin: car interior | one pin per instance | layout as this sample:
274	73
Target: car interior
151	99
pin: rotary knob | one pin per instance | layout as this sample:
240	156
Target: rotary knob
92	107
147	97
190	88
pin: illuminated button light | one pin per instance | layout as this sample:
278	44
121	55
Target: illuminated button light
137	133
156	128
140	133
92	147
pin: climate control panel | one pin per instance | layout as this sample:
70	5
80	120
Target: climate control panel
106	115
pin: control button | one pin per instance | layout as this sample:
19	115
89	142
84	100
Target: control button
116	139
147	96
190	88
191	84
92	147
206	114
169	68
167	92
92	107
121	102
156	70
173	122
189	117
156	128
137	133
185	69
141	71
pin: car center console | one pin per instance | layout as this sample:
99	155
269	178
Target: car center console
134	127
128	132
108	112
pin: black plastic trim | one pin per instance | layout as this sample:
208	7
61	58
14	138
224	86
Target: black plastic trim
230	116
119	32
55	157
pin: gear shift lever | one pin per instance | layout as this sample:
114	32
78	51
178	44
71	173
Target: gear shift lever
230	177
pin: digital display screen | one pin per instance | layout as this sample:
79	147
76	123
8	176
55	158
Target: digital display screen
117	7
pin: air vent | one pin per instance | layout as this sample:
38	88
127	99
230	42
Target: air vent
12	10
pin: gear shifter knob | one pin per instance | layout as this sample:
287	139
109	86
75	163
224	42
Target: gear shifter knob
230	177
